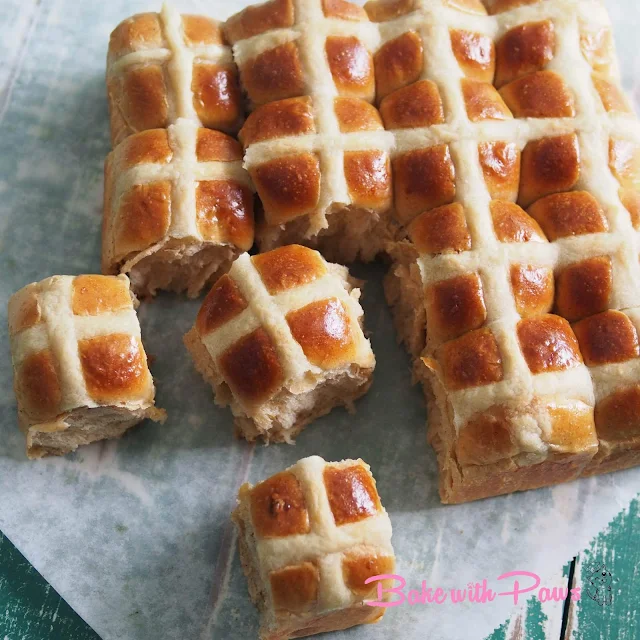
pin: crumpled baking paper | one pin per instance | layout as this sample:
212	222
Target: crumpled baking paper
135	534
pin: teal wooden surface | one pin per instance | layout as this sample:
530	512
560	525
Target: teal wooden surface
618	549
31	610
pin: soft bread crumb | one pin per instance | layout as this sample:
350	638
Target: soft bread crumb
405	294
86	425
179	267
352	234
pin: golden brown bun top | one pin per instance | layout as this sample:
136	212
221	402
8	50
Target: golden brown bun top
323	330
512	224
24	309
549	165
280	14
423	179
200	30
569	214
343	10
606	338
221	304
441	230
475	54
533	289
470	361
584	288
144	31
526	48
352	493
291	117
114	367
541	94
294	588
288	267
383	10
455	306
214	146
141	31
151	146
418	105
354	114
398	63
548	343
278	508
93	295
275	14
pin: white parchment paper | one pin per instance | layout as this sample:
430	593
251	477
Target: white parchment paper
135	534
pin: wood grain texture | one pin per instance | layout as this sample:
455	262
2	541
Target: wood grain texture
618	550
30	609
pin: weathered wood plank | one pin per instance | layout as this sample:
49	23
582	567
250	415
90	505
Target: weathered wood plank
29	607
608	574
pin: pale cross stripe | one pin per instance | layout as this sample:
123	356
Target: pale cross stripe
184	172
60	331
310	30
180	67
326	542
489	258
270	311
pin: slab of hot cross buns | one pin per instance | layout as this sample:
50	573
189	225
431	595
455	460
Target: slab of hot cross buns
516	171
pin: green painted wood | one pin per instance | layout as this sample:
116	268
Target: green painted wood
618	549
30	609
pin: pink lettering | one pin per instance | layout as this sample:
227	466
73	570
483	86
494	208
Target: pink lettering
381	590
516	584
427	593
486	594
458	595
575	594
440	595
557	594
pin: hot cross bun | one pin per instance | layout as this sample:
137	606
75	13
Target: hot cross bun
310	537
280	340
178	208
164	66
80	370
